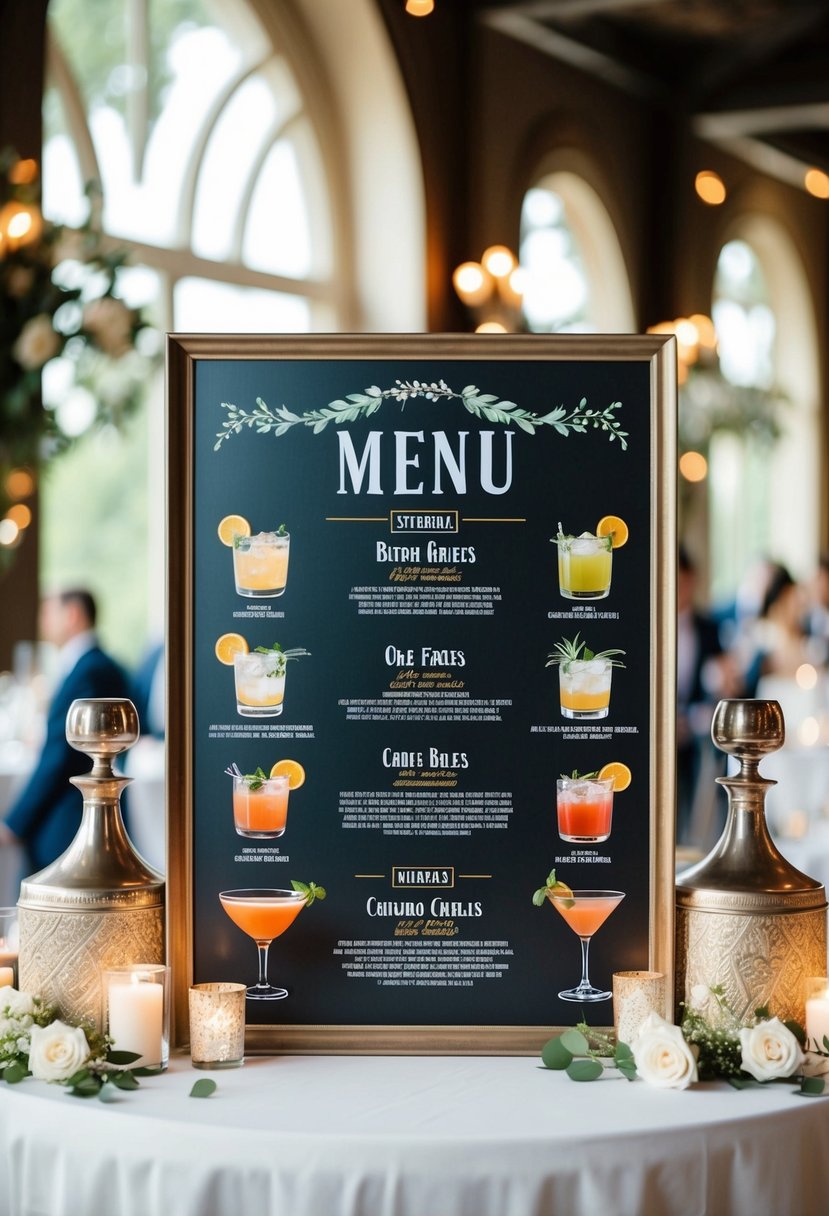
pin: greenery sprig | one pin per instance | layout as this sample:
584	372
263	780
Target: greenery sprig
584	1053
310	890
355	406
569	651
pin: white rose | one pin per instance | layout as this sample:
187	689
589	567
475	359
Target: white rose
14	1004
109	321
37	343
663	1057
57	1051
770	1050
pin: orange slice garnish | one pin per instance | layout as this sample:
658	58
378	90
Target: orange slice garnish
231	527
293	770
228	645
615	528
618	772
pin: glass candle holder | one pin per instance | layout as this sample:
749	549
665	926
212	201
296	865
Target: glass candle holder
635	995
217	1025
9	945
136	1012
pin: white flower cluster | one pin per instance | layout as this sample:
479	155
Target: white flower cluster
17	1011
664	1057
55	1051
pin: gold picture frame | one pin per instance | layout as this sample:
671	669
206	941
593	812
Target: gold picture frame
191	361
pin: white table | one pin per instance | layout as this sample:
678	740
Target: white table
374	1136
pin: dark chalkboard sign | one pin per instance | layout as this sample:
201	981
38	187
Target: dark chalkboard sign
421	655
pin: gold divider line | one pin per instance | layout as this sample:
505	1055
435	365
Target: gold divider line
474	876
369	876
484	519
356	519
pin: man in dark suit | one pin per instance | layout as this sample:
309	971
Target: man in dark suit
705	672
45	816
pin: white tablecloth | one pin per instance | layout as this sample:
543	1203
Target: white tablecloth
373	1136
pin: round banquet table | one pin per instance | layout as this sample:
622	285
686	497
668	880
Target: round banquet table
411	1136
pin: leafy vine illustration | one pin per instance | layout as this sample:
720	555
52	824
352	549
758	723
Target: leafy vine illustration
265	421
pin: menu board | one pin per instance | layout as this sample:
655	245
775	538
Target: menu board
421	667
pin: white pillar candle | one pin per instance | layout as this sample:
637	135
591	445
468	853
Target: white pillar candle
817	1020
136	1019
6	977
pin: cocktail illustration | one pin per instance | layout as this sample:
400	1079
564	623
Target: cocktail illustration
260	800
260	562
263	913
584	678
585	913
585	562
259	674
584	803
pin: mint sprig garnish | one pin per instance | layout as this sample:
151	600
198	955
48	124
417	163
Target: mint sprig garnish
255	781
540	896
310	890
577	776
568	651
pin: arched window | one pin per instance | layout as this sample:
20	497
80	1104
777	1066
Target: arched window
574	274
239	169
764	486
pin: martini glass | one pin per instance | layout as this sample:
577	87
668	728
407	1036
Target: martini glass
263	913
585	913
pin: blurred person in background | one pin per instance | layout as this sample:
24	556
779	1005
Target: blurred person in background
705	673
45	815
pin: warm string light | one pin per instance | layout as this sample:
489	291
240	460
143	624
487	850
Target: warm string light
419	8
19	484
696	340
492	289
710	187
817	183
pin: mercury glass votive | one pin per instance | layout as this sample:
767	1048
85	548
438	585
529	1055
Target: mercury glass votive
217	1025
635	995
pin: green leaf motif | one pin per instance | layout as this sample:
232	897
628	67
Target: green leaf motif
264	421
555	1055
203	1088
584	1070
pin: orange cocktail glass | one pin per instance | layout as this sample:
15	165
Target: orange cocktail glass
585	913
585	808
260	809
263	913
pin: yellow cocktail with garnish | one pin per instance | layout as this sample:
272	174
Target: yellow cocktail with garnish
259	674
260	562
585	562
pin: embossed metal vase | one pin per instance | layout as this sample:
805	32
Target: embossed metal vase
746	918
99	905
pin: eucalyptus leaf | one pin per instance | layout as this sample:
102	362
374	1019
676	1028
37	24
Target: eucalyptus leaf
628	1069
14	1072
740	1082
575	1042
108	1093
622	1053
124	1080
555	1055
122	1057
584	1070
203	1088
797	1030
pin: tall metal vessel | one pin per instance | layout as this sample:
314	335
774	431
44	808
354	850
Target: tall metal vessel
100	904
745	917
